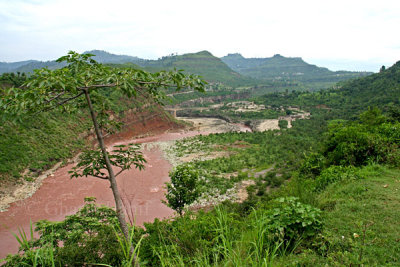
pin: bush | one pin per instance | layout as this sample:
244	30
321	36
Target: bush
351	145
291	220
89	236
283	124
335	174
360	143
313	164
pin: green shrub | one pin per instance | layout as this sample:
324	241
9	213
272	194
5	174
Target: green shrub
391	134
291	220
313	164
90	236
335	174
360	143
283	124
351	145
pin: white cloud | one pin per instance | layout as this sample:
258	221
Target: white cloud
358	31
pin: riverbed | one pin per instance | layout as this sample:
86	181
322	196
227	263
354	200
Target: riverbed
143	191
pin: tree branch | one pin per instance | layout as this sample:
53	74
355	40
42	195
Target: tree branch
59	103
118	173
98	176
55	97
69	99
97	86
159	83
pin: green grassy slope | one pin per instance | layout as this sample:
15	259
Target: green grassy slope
39	143
360	220
202	63
367	208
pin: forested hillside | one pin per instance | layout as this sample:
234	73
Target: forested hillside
348	99
202	63
280	67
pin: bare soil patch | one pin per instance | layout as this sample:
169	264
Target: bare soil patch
213	125
205	156
242	194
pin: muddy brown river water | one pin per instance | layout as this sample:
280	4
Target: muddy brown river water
59	195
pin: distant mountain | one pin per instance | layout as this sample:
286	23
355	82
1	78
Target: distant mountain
100	56
202	63
38	65
233	69
280	67
10	67
105	57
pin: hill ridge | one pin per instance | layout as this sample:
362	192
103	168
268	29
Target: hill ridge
233	69
279	67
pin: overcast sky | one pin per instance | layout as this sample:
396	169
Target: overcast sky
339	34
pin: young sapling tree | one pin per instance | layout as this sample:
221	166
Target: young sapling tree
183	188
79	84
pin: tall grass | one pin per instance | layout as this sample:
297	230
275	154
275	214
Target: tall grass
262	250
129	249
250	247
43	256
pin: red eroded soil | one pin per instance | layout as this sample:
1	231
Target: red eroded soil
59	195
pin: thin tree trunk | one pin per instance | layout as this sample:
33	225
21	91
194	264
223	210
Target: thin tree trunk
113	181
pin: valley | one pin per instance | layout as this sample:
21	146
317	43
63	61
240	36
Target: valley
282	175
199	134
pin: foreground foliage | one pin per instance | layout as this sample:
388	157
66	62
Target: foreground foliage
353	232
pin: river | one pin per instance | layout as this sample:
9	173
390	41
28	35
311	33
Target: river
59	195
